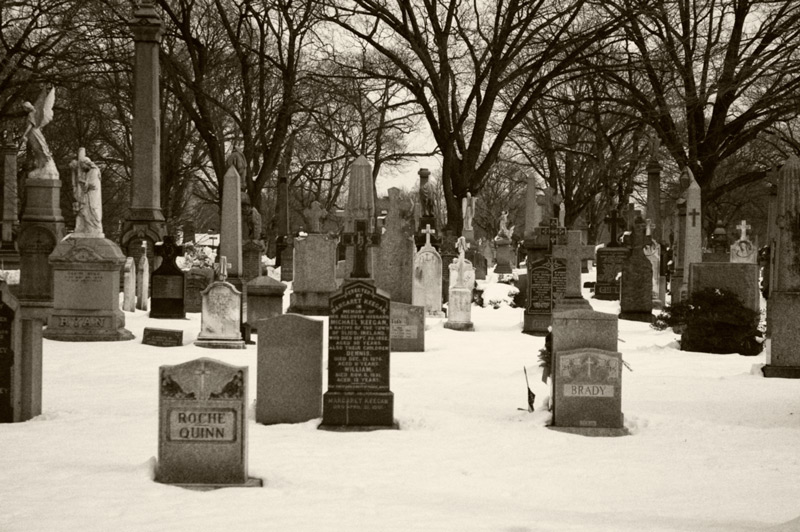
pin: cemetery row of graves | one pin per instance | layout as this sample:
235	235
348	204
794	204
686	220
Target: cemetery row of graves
377	300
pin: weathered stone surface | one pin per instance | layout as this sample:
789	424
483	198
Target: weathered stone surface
547	284
167	301
129	286
609	266
289	369
86	297
358	360
251	259
587	372
197	280
11	366
221	317
202	436
395	264
741	279
162	337
636	295
407	327
427	281
143	280
314	274
264	299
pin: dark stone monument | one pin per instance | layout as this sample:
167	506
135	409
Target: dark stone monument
610	260
636	296
264	299
251	259
448	253
162	337
167	300
407	327
547	284
197	279
10	356
358	396
202	425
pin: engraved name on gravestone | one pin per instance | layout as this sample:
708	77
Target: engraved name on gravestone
547	283
589	388
407	327
162	337
358	359
202	438
609	265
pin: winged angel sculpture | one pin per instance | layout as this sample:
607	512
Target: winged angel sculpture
39	115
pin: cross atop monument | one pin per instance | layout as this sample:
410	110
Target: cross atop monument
314	215
168	250
743	228
361	239
549	201
574	252
613	220
554	231
428	232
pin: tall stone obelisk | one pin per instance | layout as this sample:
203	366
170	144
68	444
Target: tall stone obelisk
145	220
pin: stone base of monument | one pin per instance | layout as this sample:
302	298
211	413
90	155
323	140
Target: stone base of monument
536	324
783	356
459	326
646	317
9	256
86	292
309	303
264	299
566	304
781	372
358	411
216	343
459	310
252	482
505	256
592	432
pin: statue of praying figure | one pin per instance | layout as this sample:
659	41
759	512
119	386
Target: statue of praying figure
88	204
468	209
39	115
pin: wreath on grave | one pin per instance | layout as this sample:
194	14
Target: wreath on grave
713	321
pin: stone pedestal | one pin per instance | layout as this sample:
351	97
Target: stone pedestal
264	299
86	295
34	317
459	310
783	356
505	256
315	275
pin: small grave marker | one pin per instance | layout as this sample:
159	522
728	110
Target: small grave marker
162	337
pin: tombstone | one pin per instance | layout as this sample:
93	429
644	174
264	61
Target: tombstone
289	370
739	278
719	246
264	299
167	297
359	346
427	282
609	262
743	249
9	256
145	220
197	280
693	243
447	250
533	211
230	231
407	327
361	233
314	274
86	297
502	245
636	296
129	286
143	280
221	318
396	252
478	261
459	305
427	218
573	254
202	425
587	374
11	366
162	337
652	250
547	284
251	259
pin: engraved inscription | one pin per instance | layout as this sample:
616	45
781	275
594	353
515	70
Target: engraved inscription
202	425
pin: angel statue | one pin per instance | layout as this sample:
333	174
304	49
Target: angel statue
505	231
88	196
40	115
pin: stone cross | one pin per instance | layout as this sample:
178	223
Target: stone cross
743	227
574	252
554	231
168	250
428	232
461	246
612	220
549	202
360	240
315	214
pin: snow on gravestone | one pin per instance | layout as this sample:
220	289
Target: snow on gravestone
202	425
358	360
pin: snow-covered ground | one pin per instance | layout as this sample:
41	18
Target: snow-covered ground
713	447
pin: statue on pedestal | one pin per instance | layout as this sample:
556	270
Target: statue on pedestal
88	204
39	115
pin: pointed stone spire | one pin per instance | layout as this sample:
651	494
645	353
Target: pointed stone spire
693	244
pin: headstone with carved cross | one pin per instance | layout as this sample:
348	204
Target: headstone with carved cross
167	300
573	253
426	289
693	242
396	252
221	320
743	250
587	374
361	234
202	425
462	281
609	260
636	297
